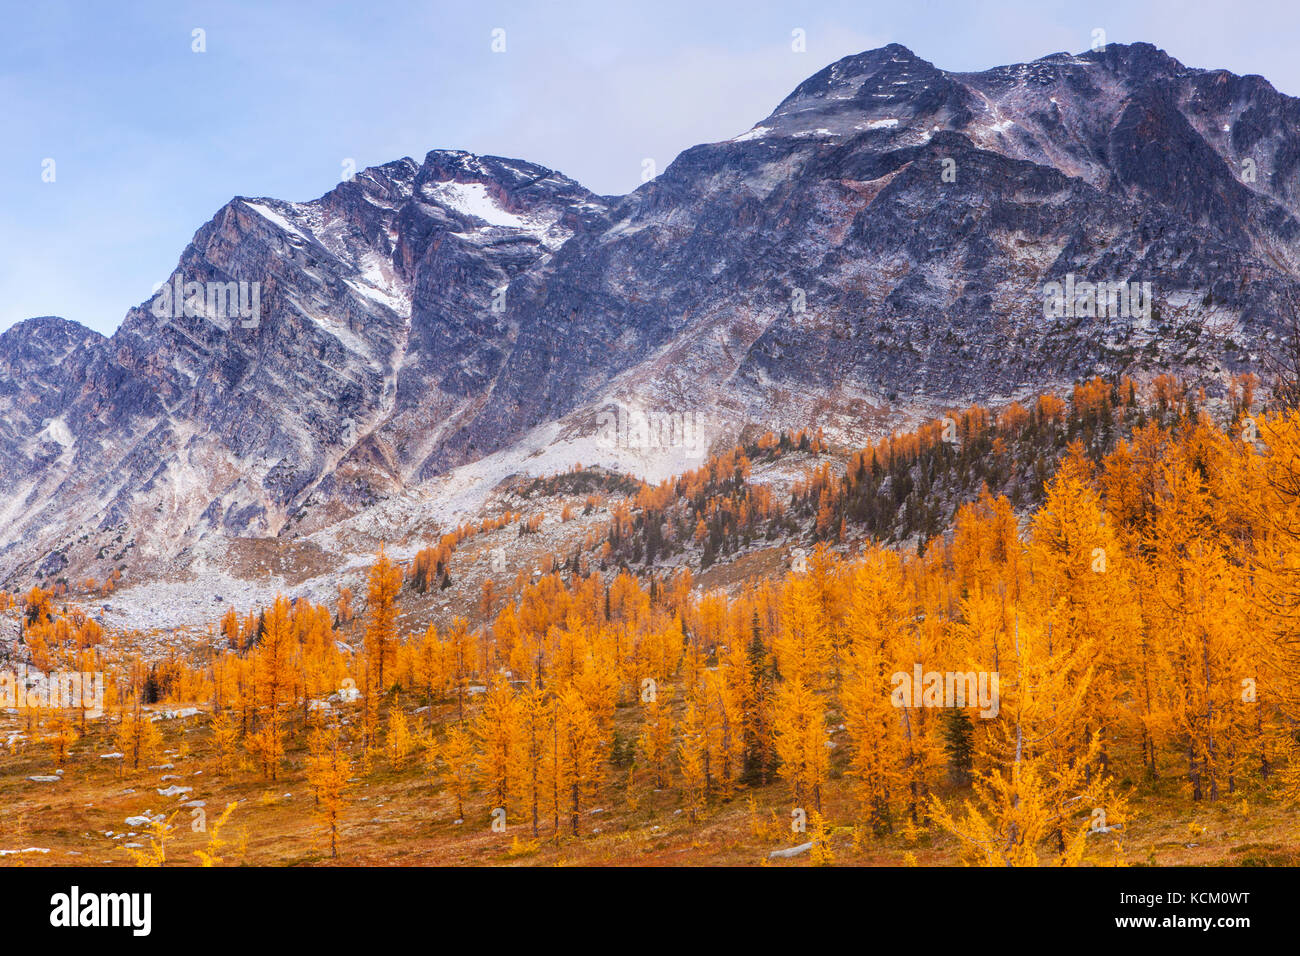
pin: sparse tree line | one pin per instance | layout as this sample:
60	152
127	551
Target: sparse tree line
906	488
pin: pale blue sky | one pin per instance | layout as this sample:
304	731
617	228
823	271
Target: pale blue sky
149	138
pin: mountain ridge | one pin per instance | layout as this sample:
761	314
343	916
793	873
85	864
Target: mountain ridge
818	270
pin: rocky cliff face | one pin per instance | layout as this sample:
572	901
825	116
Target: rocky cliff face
875	250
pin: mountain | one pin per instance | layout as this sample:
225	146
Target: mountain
873	252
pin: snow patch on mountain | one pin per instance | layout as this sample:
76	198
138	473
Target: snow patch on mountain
472	199
269	214
57	430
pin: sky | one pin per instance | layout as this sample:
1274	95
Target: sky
121	138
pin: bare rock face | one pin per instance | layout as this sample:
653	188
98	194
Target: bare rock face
875	250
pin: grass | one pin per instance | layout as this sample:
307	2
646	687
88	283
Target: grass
402	817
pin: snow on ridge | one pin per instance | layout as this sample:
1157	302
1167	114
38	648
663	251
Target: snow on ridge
472	199
269	214
758	132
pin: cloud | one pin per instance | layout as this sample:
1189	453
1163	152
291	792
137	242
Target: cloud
598	127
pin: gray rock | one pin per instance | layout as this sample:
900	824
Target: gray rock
791	851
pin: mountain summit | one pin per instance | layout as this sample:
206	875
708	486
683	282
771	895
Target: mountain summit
876	250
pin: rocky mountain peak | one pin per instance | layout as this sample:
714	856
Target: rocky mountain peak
45	335
874	252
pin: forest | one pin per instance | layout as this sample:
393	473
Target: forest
1121	567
